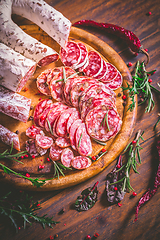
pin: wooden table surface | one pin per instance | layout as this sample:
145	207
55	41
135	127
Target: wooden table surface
110	222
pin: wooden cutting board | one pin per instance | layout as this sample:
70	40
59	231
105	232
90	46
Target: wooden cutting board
114	146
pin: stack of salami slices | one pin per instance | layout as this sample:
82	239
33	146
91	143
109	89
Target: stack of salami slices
84	107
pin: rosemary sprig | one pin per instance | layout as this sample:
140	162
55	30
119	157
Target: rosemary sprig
101	143
133	151
64	76
79	143
58	169
49	125
141	86
105	121
157	122
22	208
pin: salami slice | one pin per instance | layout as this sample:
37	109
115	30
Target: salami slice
42	84
84	55
103	122
61	126
40	108
66	157
32	131
81	162
9	137
31	147
57	84
80	69
95	64
111	73
83	141
14	104
55	152
74	116
71	55
92	103
103	72
52	115
72	133
53	72
43	141
63	142
115	83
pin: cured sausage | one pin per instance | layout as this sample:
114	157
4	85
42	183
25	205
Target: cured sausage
74	116
14	37
103	122
31	147
40	108
71	55
103	72
32	131
116	82
15	69
84	55
83	141
42	84
66	157
10	138
14	104
95	65
55	152
61	126
81	162
63	142
110	74
72	133
43	141
53	114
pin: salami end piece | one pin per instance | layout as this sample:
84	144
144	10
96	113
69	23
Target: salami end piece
66	157
81	162
9	137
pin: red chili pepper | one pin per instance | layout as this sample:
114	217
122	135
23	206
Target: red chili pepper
151	191
128	36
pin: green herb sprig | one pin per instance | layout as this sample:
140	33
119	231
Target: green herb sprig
58	169
133	150
105	121
64	79
22	208
141	85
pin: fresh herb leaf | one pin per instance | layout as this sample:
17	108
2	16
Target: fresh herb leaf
7	154
58	169
101	143
22	208
87	199
49	125
79	143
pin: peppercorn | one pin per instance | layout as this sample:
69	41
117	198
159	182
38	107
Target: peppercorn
27	175
115	188
17	132
48	160
30	118
62	210
88	237
56	235
134	194
33	156
93	158
119	94
26	155
96	235
124	97
103	150
130	64
134	141
31	107
149	80
119	204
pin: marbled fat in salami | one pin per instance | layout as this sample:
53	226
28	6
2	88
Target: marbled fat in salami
55	152
97	119
66	157
81	162
9	137
71	55
111	73
115	83
63	142
42	117
42	84
74	116
44	142
83	141
72	132
40	108
103	72
84	55
32	131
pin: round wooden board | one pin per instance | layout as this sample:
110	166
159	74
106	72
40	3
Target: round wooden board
114	146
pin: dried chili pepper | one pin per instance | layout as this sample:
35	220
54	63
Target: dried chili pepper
151	191
131	39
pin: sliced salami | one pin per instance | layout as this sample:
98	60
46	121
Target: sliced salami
72	133
55	152
32	131
83	141
92	103
103	122
61	126
63	142
74	116
66	157
52	115
40	150
95	64
42	84
14	104
84	55
53	72
9	137
81	162
111	73
31	147
116	82
57	84
40	108
71	55
43	141
80	69
103	72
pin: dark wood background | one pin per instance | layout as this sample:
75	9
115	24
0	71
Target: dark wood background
111	222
